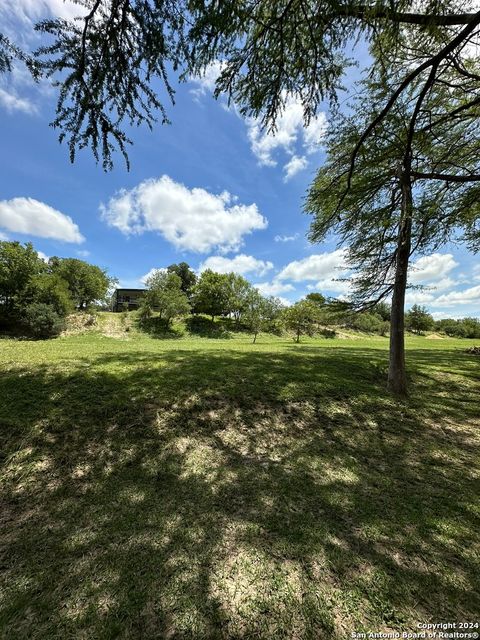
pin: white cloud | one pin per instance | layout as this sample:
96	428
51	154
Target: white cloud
191	219
3	236
43	256
274	288
433	268
29	216
413	296
321	266
83	253
280	238
241	264
293	166
467	296
441	315
206	81
32	10
148	275
11	102
290	134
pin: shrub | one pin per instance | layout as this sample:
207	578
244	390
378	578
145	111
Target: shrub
42	321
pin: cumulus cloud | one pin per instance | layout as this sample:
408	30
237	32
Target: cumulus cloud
289	130
205	83
31	217
241	264
320	266
11	103
433	268
143	279
190	219
453	298
43	256
293	166
274	288
32	10
290	134
281	238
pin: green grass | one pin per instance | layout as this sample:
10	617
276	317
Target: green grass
199	488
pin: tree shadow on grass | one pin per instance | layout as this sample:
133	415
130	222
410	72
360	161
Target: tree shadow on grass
224	494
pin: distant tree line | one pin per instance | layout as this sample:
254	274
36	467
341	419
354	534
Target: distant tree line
177	291
36	296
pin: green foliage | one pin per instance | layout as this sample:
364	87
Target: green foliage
165	295
28	286
418	320
211	294
302	318
87	282
462	328
50	289
317	298
18	265
384	310
367	322
112	66
239	291
188	277
260	313
42	321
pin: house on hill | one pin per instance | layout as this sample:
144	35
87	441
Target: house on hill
123	297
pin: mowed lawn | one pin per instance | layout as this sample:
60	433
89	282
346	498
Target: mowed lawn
211	488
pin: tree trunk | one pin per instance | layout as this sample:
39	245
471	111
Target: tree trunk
254	337
298	335
397	376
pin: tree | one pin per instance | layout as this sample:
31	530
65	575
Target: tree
239	291
165	295
87	283
384	310
42	321
187	276
316	298
49	289
259	312
18	265
302	318
108	63
211	294
391	207
418	319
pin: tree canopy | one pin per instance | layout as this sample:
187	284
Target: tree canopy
107	63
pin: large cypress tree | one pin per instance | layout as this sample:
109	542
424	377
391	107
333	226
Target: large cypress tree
407	187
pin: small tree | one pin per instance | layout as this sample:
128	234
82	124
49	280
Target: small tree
260	312
317	298
18	265
302	318
188	277
166	296
42	321
87	282
49	288
418	319
211	294
238	295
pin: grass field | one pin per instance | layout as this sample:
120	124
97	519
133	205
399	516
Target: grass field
201	488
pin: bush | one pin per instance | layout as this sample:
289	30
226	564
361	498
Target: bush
42	321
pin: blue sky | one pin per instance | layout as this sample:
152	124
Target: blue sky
211	189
